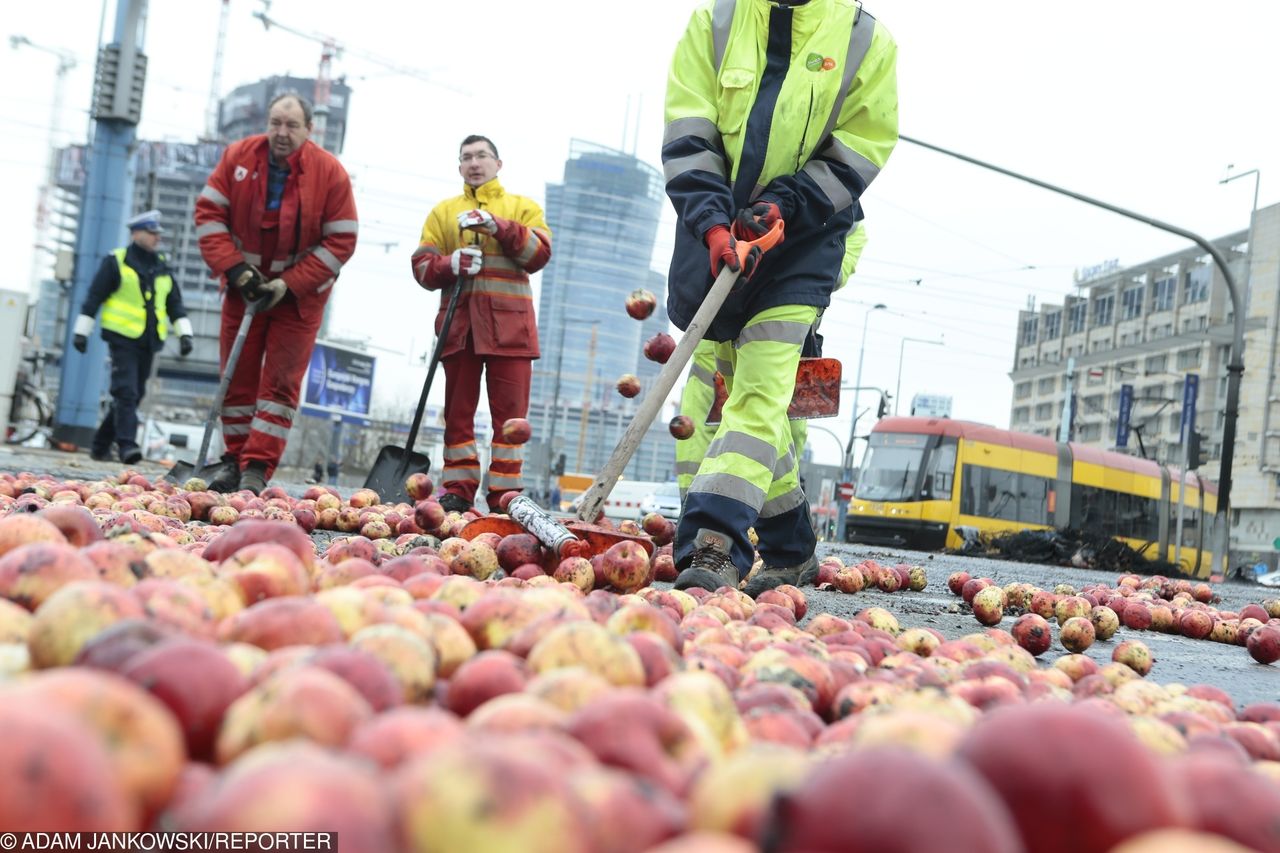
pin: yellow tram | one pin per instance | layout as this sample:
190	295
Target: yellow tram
923	478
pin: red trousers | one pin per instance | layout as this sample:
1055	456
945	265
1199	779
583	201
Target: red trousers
508	379
262	400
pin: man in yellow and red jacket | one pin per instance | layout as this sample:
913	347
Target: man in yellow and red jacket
276	219
494	240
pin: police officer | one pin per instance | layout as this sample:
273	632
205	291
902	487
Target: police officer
139	299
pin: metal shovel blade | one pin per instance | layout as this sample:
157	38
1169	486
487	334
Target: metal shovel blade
391	469
817	392
181	472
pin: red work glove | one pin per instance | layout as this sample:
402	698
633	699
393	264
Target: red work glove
721	244
756	220
724	250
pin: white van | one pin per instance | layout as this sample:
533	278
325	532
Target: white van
625	499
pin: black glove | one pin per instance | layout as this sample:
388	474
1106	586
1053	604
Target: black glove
756	220
185	345
245	279
80	342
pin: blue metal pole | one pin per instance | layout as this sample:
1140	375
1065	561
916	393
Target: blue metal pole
107	197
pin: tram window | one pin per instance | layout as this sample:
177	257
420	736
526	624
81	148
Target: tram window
1143	519
1033	499
940	473
969	490
1131	520
1089	508
999	496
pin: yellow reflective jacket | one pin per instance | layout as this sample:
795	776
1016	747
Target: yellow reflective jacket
797	105
125	310
497	308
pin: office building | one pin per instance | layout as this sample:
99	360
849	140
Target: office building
1149	326
604	220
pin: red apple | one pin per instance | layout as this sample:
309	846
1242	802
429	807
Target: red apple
640	303
196	681
681	427
1032	633
1264	644
659	347
418	486
628	385
516	430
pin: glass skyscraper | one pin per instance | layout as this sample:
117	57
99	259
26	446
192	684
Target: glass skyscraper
604	220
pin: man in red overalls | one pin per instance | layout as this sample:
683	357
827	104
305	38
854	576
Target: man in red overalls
277	219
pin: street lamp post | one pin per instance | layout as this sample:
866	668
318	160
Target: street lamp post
826	523
897	389
842	505
1248	267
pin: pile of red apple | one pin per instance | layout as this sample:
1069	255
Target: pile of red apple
457	696
868	574
1097	611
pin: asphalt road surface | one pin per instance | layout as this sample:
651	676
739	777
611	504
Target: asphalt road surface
1177	659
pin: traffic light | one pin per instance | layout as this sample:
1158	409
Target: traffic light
884	406
1195	456
558	468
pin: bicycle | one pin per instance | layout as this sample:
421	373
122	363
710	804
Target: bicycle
32	410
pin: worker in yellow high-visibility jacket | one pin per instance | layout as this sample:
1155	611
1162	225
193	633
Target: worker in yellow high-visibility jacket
775	111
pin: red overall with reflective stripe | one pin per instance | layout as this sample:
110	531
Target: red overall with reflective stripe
305	242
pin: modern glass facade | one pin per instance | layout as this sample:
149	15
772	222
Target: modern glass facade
604	220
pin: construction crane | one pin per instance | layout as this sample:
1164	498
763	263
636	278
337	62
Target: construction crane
331	49
66	61
215	85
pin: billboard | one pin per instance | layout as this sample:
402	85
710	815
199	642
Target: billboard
1190	393
339	380
1126	411
931	406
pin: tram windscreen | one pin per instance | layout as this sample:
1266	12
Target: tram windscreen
891	468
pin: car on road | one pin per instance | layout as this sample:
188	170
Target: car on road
665	500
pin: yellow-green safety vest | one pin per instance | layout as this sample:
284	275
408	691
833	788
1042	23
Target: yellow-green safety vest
125	311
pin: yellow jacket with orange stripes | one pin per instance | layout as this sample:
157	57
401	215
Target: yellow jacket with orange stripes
496	308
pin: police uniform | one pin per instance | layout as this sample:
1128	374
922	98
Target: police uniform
138	298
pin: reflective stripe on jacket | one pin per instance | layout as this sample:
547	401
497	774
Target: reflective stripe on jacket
125	311
497	306
317	224
794	105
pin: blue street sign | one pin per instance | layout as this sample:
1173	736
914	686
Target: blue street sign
1190	391
1122	420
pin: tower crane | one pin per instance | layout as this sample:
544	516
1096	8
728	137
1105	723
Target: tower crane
66	61
331	49
215	85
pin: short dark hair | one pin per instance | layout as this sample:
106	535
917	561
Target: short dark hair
477	138
307	110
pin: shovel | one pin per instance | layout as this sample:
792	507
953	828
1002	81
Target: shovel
592	539
183	471
395	463
816	395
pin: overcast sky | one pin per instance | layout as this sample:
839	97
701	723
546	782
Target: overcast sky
1142	103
